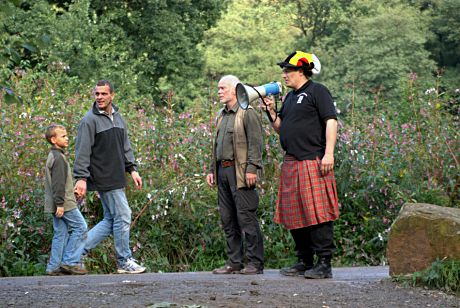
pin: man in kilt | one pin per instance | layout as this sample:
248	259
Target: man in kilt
307	201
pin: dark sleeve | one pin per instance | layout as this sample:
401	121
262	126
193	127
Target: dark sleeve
254	137
83	145
58	178
324	103
130	163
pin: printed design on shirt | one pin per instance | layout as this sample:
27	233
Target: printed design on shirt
300	97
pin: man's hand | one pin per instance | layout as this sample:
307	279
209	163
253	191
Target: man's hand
137	179
80	189
327	163
251	179
268	104
210	179
59	211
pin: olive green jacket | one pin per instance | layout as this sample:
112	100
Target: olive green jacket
58	182
240	147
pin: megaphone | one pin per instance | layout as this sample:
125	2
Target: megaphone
246	94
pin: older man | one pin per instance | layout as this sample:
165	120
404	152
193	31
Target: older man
237	156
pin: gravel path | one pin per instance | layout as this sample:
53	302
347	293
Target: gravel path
350	287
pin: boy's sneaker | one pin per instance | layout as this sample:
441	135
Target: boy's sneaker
130	267
55	272
73	269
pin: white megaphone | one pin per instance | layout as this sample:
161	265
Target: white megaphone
246	94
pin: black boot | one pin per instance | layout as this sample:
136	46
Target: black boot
298	268
321	270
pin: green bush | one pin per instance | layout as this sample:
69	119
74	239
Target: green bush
441	275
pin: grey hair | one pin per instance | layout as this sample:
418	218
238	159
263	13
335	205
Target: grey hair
231	79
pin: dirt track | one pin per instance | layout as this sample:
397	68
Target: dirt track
350	287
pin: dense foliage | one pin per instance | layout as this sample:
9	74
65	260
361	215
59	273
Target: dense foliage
148	45
399	115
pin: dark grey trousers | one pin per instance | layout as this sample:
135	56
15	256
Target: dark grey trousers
239	220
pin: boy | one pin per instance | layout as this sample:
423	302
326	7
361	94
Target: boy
60	200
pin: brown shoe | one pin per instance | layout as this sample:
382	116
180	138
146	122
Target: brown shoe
73	270
227	269
251	270
56	272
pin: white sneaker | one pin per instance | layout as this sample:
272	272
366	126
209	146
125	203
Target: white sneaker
131	267
83	259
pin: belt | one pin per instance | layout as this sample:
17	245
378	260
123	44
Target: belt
227	163
289	157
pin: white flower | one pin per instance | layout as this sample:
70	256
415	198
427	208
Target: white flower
430	90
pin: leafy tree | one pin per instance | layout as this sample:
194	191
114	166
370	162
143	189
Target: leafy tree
136	44
318	19
445	45
366	44
169	32
385	48
19	51
249	40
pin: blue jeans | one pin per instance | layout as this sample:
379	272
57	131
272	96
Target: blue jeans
67	249
116	221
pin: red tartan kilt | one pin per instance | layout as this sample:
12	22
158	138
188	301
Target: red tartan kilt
305	197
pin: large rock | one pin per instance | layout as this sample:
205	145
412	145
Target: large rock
420	234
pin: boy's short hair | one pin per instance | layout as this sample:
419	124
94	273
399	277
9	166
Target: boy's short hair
51	131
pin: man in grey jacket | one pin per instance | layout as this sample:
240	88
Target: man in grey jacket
103	155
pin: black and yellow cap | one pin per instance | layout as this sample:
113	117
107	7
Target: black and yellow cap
300	59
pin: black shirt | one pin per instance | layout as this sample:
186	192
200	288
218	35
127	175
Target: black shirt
304	115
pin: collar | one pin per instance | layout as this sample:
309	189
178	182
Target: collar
304	87
96	110
54	148
234	109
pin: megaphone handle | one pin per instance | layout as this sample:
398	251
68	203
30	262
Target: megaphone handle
266	109
270	116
